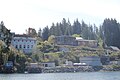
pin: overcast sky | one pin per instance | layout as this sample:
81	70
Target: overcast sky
18	15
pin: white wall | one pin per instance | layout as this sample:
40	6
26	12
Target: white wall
27	43
91	61
49	65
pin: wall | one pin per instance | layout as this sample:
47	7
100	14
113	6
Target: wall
91	60
25	44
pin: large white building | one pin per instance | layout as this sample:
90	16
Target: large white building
91	60
24	42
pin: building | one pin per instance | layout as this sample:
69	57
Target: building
89	43
91	60
113	48
8	67
24	42
115	62
65	40
33	68
33	65
68	63
78	41
48	64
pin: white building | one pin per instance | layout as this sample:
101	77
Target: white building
91	60
33	65
24	43
48	64
68	63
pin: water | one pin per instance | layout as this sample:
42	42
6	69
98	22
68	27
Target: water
63	76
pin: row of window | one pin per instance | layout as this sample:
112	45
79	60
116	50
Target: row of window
24	40
24	46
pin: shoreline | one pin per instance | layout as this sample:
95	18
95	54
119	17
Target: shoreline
70	70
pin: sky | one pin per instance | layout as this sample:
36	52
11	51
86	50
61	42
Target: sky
19	15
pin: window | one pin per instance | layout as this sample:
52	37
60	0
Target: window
28	46
24	46
46	65
20	46
18	40
31	46
16	46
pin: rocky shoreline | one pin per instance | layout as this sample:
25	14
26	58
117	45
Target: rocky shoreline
79	69
74	69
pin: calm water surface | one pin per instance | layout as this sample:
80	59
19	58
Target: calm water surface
63	76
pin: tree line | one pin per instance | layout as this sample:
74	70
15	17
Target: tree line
108	32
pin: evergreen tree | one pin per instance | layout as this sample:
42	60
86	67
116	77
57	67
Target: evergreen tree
52	29
111	32
45	33
40	33
77	27
85	30
63	26
58	30
68	28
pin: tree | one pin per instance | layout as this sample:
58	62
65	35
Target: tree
77	29
111	30
68	27
45	33
40	33
76	35
32	32
51	39
53	29
85	30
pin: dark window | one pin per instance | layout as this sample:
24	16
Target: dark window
16	46
28	46
24	46
20	46
46	65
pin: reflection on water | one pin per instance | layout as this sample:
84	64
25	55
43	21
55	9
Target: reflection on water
63	76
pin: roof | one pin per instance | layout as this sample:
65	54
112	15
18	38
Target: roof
114	48
77	64
79	38
22	35
86	40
